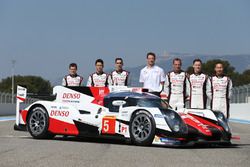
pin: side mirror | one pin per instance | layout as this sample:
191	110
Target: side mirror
118	103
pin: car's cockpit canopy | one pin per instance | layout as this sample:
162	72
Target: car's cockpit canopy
134	99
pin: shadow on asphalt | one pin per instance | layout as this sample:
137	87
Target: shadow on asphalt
123	142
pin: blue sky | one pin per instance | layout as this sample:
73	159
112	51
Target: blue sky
45	36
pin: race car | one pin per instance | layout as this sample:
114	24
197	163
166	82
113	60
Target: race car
119	112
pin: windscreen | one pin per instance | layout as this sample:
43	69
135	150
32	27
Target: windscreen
158	103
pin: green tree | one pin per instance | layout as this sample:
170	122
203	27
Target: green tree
35	84
245	77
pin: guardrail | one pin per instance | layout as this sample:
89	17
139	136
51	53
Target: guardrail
6	98
241	94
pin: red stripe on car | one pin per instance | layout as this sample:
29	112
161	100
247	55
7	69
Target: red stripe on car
60	127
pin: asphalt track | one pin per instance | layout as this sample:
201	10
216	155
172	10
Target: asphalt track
19	149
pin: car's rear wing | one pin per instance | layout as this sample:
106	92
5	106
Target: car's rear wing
20	98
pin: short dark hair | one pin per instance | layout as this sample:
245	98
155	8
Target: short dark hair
197	60
177	59
99	61
219	62
151	53
118	58
73	65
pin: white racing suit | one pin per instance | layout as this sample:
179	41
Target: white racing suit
72	80
119	78
177	89
200	91
98	80
221	93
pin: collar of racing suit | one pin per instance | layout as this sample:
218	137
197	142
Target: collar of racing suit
99	73
119	72
178	72
199	73
220	76
73	76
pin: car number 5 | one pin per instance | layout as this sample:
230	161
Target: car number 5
106	125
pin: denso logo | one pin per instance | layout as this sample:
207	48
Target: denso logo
59	113
71	96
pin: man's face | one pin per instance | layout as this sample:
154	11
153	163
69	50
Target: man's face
99	67
118	65
218	69
151	60
177	66
197	67
72	70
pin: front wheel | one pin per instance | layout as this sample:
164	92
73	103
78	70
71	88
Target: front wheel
38	123
142	128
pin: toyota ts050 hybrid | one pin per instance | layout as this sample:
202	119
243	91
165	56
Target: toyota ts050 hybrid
119	112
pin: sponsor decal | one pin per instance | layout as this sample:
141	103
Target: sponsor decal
120	79
101	92
159	116
70	101
123	128
124	113
59	113
63	108
169	141
71	95
21	94
21	88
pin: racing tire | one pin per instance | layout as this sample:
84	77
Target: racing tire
142	128
38	123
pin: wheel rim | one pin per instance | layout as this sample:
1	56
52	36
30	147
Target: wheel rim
37	122
141	127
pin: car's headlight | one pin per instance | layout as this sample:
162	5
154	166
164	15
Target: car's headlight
174	121
220	116
222	120
172	116
176	128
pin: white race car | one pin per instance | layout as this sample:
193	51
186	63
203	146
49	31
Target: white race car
119	112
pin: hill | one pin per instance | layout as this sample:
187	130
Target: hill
240	62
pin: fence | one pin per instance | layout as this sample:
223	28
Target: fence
6	98
241	94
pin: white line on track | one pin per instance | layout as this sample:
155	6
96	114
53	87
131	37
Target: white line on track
10	118
11	136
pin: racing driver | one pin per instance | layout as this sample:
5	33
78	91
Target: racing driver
99	78
221	90
177	86
119	77
200	87
72	79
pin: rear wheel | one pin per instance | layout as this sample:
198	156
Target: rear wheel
38	123
142	128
